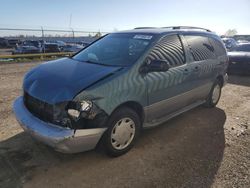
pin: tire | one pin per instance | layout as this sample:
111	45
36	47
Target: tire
214	95
124	126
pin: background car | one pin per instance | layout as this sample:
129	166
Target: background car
60	44
230	43
51	47
13	42
28	46
3	43
83	43
72	48
239	59
242	41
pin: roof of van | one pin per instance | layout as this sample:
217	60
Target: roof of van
168	30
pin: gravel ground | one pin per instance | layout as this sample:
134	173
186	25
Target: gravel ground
200	148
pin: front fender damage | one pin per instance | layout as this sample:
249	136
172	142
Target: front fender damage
82	140
61	138
94	118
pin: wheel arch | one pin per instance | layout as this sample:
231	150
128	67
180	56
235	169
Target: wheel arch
137	107
220	78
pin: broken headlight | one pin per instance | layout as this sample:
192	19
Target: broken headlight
85	114
77	109
73	113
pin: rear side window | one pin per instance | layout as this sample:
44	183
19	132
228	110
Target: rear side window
170	49
200	47
218	47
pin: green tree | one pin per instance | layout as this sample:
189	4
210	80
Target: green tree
98	34
231	32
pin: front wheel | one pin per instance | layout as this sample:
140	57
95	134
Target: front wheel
124	128
214	95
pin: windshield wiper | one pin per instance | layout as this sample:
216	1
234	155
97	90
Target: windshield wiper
93	62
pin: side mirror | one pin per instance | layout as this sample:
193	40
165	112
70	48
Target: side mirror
155	66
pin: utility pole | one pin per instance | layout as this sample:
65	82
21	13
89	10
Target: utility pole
43	50
73	34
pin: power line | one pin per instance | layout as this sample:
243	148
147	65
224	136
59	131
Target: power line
49	30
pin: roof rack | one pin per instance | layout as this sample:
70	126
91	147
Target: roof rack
187	27
175	27
145	28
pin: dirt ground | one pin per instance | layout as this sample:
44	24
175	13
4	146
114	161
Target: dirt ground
200	148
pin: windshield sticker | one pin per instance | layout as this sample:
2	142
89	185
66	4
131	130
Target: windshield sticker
145	37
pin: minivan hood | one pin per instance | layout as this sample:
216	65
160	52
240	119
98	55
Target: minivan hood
60	80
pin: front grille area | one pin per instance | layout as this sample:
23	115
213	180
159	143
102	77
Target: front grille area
38	108
57	114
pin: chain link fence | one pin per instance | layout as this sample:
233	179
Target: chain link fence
67	35
13	38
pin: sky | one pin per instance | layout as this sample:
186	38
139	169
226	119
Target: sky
110	15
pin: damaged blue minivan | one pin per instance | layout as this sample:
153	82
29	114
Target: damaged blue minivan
118	85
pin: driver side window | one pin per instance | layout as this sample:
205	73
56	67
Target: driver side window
169	49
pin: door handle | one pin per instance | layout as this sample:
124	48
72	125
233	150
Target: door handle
186	71
196	68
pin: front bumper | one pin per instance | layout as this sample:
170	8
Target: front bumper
62	139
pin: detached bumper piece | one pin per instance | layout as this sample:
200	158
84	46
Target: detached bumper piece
225	79
63	139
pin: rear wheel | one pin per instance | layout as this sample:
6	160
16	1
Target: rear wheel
124	128
214	95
